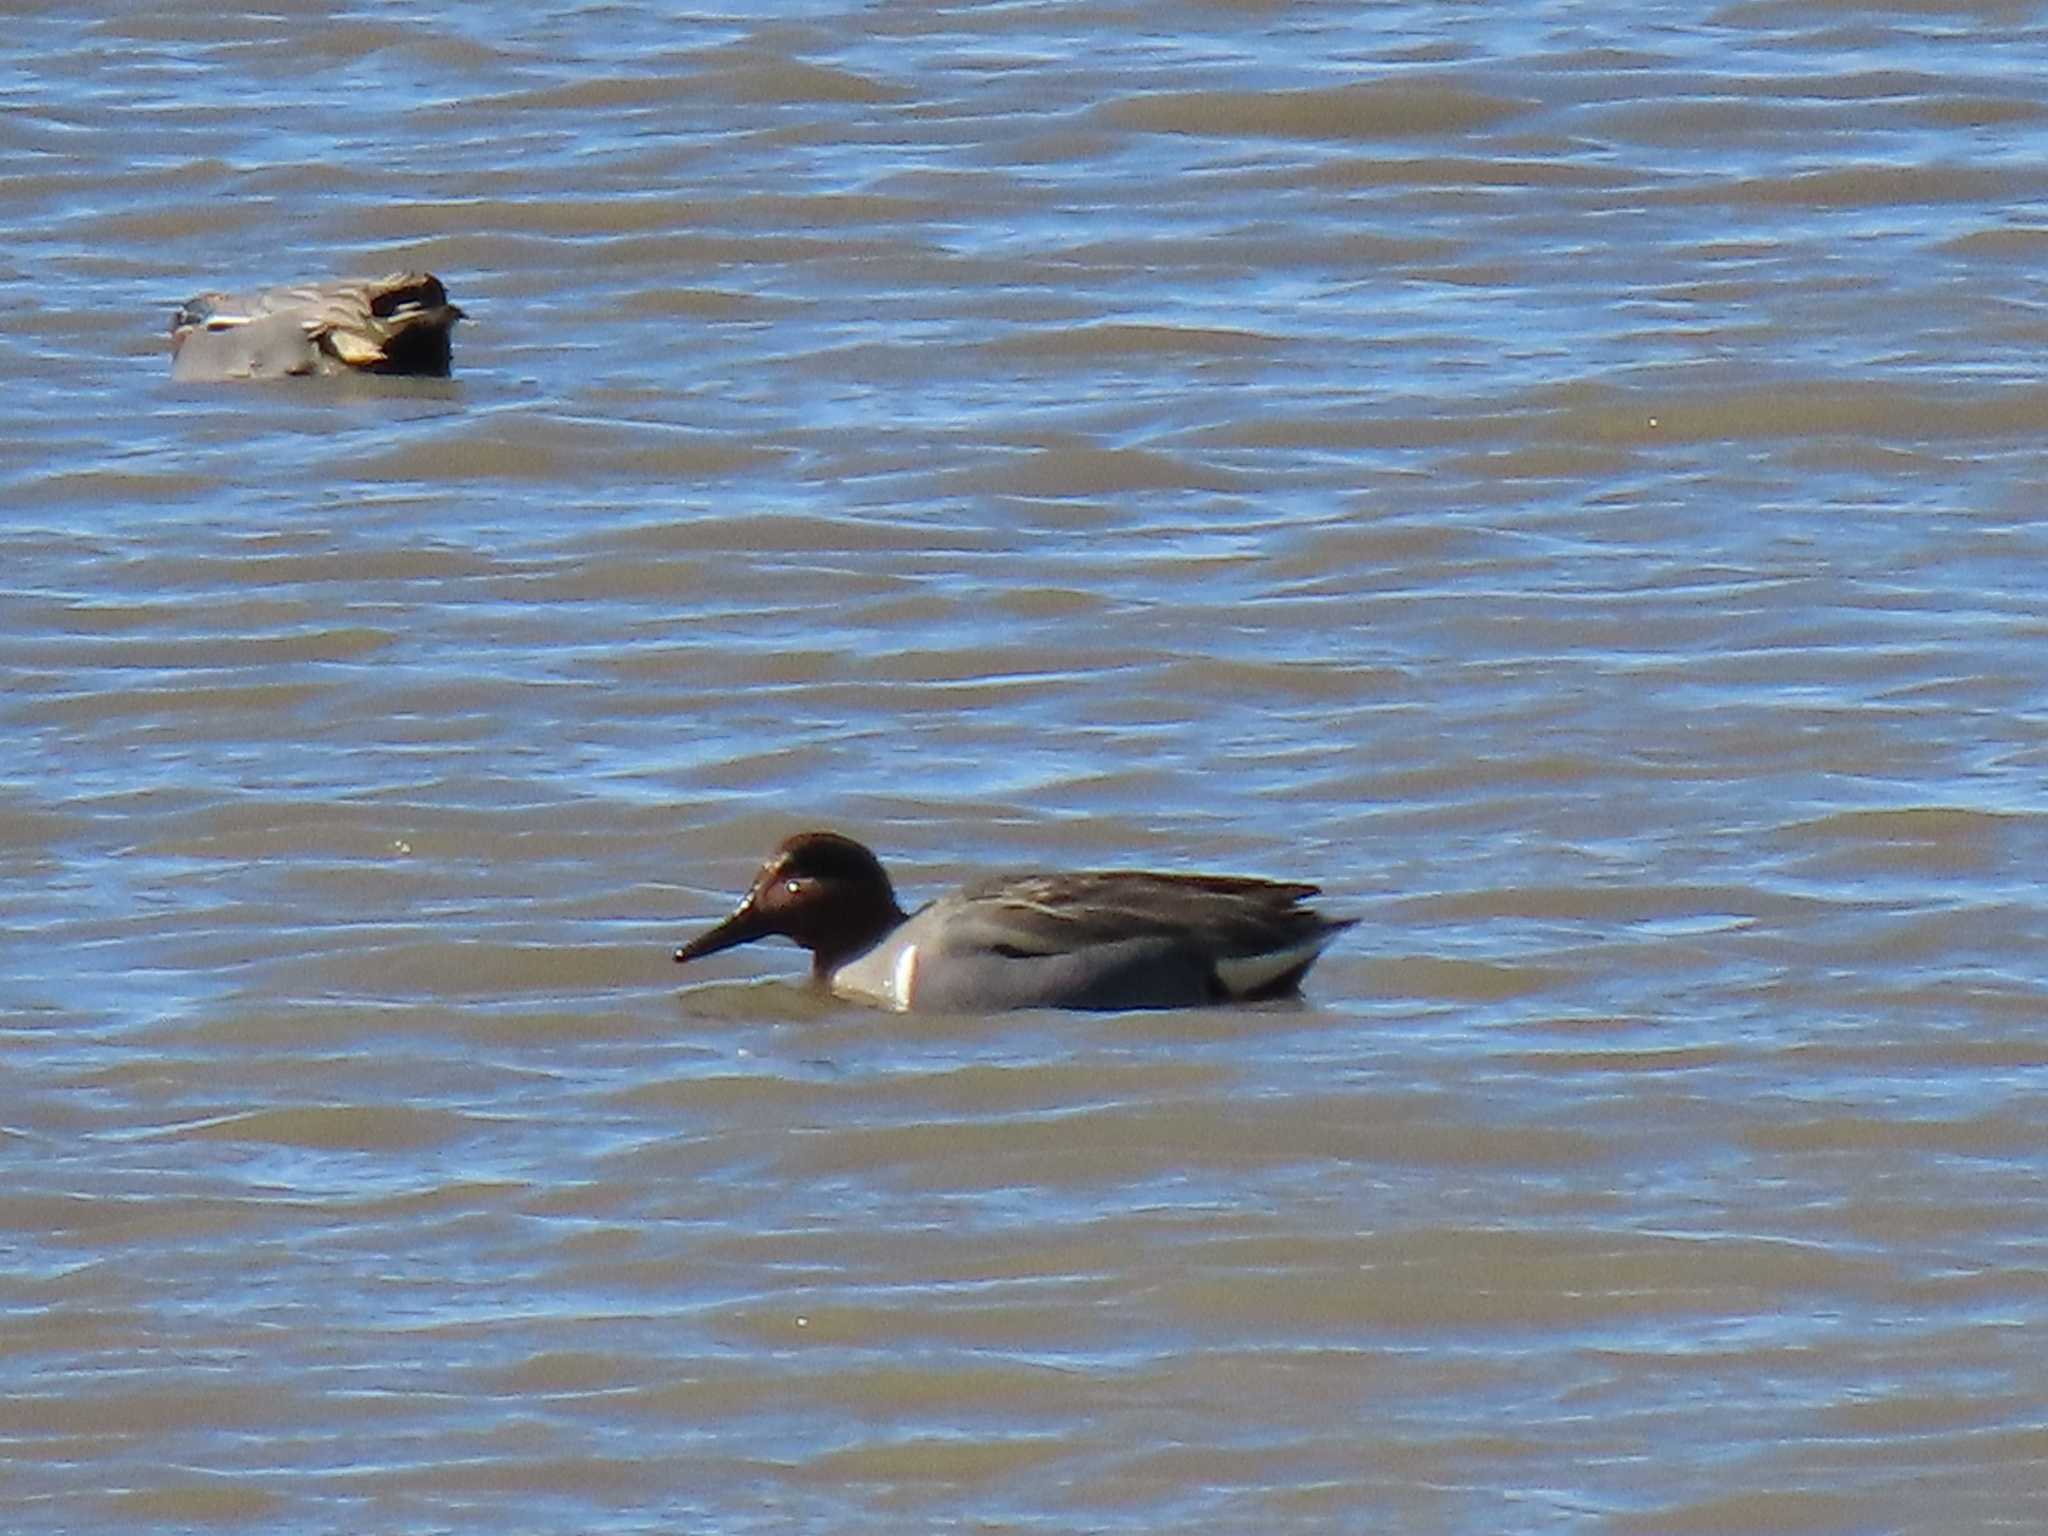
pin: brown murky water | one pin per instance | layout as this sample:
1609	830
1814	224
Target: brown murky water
1569	480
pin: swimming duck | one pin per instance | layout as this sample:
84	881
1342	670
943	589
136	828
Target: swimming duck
1103	939
393	324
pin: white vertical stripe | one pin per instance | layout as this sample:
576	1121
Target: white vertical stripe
904	982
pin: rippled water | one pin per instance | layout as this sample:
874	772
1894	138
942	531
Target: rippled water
1570	480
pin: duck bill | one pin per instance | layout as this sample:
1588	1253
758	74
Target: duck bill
743	927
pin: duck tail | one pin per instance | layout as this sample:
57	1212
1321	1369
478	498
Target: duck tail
1275	972
398	324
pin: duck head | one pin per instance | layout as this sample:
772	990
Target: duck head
827	892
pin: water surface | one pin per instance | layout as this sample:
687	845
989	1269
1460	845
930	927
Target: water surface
1570	483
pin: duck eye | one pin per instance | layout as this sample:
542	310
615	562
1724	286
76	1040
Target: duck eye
793	887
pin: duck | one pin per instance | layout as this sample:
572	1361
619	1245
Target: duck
1102	939
395	324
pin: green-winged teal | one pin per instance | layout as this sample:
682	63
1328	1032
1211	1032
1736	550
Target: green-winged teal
1104	939
394	324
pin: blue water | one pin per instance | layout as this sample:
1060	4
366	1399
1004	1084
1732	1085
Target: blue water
1564	479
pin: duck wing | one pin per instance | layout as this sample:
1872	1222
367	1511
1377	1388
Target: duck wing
1223	916
1133	938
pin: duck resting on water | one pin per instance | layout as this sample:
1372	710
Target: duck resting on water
1106	939
396	324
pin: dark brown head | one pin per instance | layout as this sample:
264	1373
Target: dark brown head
826	892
